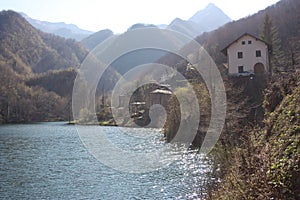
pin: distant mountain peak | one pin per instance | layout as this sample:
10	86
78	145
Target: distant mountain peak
211	17
212	8
205	20
141	25
211	5
58	28
177	20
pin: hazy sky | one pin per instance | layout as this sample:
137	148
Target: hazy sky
119	15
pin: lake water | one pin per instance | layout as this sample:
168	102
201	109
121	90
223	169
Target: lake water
49	161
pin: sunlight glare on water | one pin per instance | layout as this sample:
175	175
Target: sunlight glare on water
48	161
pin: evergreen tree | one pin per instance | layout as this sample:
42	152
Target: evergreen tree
270	35
294	52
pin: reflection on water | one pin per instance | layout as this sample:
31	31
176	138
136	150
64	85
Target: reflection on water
48	161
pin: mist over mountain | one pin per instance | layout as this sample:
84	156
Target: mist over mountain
59	28
205	20
210	18
193	27
93	40
162	26
285	18
189	28
141	25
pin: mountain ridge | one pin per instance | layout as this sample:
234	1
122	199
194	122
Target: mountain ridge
37	72
93	40
187	27
59	28
210	18
204	20
27	49
191	27
284	17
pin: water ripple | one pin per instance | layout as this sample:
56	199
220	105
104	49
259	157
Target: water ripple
48	161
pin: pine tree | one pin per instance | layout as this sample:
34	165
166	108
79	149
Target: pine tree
270	35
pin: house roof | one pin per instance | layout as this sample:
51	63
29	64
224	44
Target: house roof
224	51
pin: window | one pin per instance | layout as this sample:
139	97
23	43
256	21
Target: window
241	69
243	42
240	55
258	53
249	42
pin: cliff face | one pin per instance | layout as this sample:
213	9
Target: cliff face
266	164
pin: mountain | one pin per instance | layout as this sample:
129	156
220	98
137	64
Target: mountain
136	57
141	25
27	53
285	17
60	28
204	20
37	72
132	59
27	49
93	40
210	18
189	28
162	26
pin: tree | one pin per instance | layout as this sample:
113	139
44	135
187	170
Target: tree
294	51
270	35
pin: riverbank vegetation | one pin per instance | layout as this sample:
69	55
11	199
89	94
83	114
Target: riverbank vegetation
264	164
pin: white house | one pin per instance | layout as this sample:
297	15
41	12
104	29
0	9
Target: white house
247	55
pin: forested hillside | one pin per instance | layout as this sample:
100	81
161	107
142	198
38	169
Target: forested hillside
26	95
20	103
27	49
38	71
264	163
